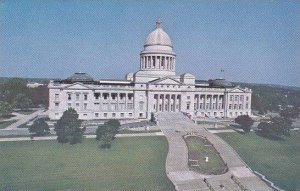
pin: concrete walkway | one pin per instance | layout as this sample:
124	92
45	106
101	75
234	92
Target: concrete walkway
24	119
175	126
11	139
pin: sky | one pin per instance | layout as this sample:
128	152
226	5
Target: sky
252	41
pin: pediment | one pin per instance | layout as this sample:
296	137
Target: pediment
77	86
237	90
169	81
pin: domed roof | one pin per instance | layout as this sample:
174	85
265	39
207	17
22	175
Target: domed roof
158	36
221	83
80	77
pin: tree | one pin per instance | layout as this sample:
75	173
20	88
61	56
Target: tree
289	113
68	128
275	128
11	88
22	102
106	133
5	108
245	122
39	127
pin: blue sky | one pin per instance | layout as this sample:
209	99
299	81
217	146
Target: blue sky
253	41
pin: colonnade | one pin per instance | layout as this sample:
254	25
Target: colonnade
209	101
157	62
167	102
114	101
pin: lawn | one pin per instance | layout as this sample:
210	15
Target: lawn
136	163
198	149
278	160
4	124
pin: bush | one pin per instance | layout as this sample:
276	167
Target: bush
39	127
245	122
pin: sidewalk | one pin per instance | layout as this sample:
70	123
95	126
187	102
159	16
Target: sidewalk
11	139
24	119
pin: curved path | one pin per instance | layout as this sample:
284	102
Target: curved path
174	126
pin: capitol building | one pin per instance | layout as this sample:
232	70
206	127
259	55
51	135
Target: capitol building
154	88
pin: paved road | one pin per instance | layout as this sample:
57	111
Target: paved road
11	139
175	126
25	118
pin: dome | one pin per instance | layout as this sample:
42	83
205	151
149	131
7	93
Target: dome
158	37
80	77
220	83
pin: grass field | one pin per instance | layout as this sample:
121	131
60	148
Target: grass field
278	160
4	124
136	163
198	149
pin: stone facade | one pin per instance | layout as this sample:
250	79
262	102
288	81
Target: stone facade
154	88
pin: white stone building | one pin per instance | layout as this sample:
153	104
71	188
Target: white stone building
154	88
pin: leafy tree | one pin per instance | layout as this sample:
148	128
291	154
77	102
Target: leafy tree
68	128
106	133
22	101
276	127
5	108
39	127
289	113
11	88
245	122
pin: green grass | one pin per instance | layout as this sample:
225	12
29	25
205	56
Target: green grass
4	124
26	112
198	149
278	160
136	163
24	125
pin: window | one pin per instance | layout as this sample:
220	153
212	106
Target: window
130	114
85	105
69	105
235	106
105	96
230	106
247	98
56	105
130	96
236	98
121	106
77	97
231	98
77	104
187	106
56	96
105	114
247	106
129	106
97	115
122	114
214	106
56	114
84	114
69	97
188	97
242	98
141	106
141	114
85	96
201	105
240	106
96	95
114	106
113	114
113	96
215	114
